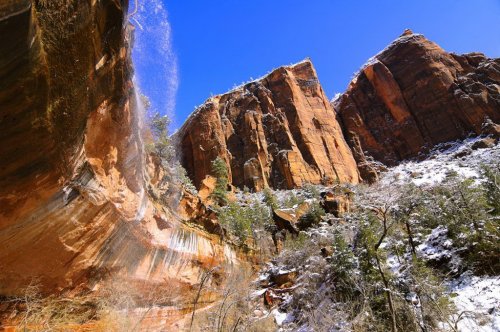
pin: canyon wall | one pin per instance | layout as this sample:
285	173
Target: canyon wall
75	183
278	131
414	95
73	174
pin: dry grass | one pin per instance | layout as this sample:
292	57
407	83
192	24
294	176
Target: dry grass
117	306
234	310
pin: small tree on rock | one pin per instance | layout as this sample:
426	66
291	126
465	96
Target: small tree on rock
162	142
219	169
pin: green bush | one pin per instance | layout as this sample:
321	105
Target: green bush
270	199
297	243
236	220
491	186
311	191
343	267
311	217
184	178
260	215
468	211
243	222
291	200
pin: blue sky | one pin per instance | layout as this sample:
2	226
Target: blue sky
207	47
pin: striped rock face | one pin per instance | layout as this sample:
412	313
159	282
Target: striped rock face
73	174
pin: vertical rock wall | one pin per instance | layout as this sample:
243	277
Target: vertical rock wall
279	131
414	95
72	171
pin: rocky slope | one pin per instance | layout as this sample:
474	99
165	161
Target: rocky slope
308	276
73	174
414	95
278	131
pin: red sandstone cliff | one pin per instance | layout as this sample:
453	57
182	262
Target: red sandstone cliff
279	131
414	95
73	204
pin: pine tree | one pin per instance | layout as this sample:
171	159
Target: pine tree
219	169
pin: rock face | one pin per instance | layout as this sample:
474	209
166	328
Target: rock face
278	131
73	175
336	201
414	95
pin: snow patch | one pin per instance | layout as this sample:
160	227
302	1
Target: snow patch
445	159
478	303
282	317
438	248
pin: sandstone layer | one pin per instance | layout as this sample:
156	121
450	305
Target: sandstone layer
414	95
279	131
74	204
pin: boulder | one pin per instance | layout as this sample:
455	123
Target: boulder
326	251
336	201
283	279
286	219
484	143
491	129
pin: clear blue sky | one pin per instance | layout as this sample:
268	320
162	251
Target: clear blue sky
217	44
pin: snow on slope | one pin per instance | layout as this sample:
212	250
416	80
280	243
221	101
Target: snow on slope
451	157
477	299
478	303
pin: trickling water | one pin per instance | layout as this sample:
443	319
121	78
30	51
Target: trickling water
155	62
155	68
184	241
139	114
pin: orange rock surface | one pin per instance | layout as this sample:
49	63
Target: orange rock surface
414	95
278	131
74	202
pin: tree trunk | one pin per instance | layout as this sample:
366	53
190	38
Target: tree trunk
388	295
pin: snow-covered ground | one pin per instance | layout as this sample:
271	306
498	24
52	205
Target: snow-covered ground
477	299
438	248
478	303
453	157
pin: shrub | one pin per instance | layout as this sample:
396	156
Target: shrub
184	178
311	191
491	186
245	221
343	265
270	199
260	214
297	243
467	210
312	216
235	219
292	200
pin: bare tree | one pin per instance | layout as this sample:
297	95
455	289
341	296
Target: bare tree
205	277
